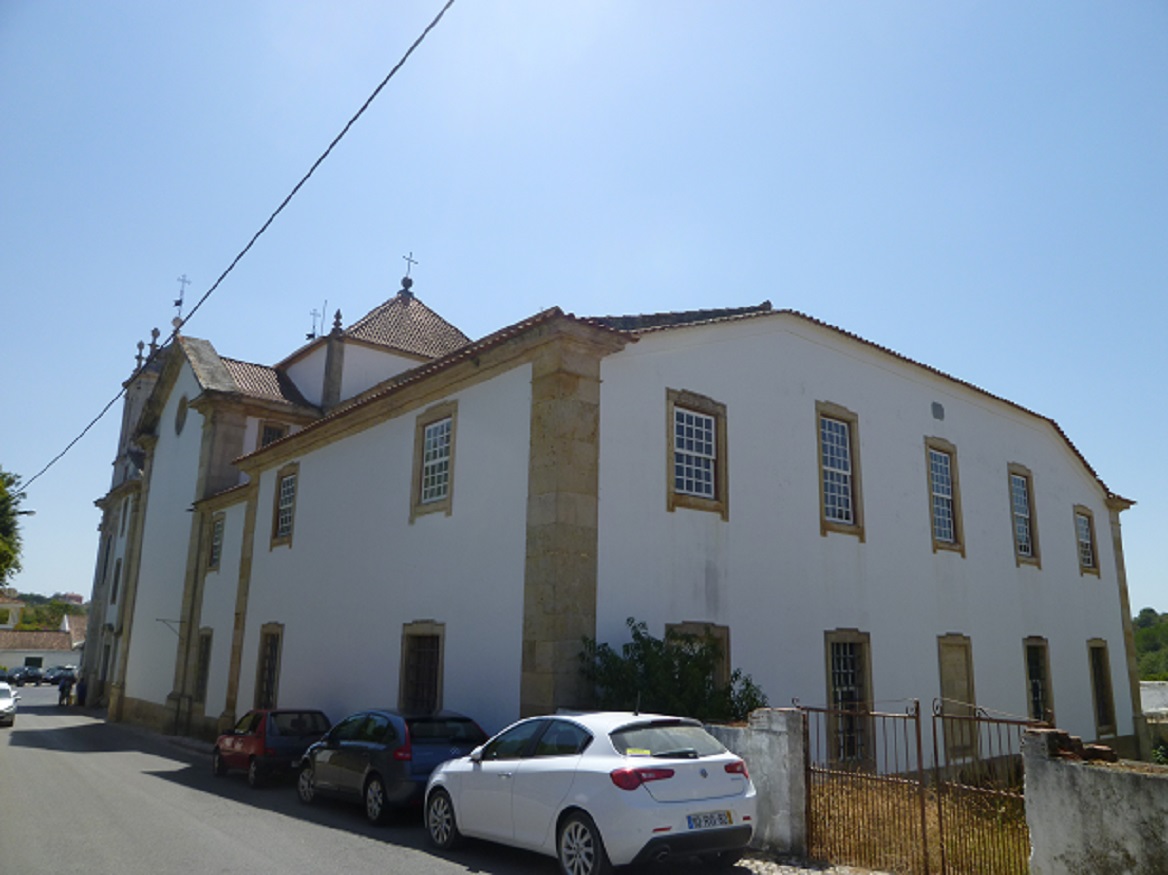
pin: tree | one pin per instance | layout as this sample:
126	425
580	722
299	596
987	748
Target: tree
10	498
1151	640
674	675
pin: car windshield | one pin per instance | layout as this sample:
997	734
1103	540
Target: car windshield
442	730
666	739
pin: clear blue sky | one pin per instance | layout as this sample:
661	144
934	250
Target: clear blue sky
982	186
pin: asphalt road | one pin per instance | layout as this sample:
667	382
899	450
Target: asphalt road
81	795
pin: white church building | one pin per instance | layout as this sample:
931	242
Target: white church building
396	515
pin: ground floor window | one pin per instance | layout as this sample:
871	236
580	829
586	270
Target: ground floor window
849	696
1039	701
268	668
1101	687
420	687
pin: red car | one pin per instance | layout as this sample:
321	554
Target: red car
266	742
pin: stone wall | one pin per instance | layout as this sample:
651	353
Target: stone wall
1092	817
772	746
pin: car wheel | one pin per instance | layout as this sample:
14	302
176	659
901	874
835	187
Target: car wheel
722	859
440	822
217	765
374	799
306	784
254	776
579	847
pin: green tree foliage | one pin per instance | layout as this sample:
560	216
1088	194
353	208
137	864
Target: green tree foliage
10	498
45	616
674	675
1151	639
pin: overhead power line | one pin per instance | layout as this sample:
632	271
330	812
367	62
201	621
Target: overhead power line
250	243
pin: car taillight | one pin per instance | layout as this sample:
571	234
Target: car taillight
631	779
738	767
406	751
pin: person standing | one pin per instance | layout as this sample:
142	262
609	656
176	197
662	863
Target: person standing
65	689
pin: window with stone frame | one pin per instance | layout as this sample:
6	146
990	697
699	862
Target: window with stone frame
203	665
1085	540
1039	698
696	461
1101	695
420	686
944	495
284	504
841	506
268	665
270	432
117	579
435	432
849	696
1023	518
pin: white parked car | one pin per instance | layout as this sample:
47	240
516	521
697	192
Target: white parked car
7	705
597	791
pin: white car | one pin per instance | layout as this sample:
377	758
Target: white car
597	791
7	705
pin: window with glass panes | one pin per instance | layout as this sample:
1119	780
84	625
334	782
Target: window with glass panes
436	461
941	481
1085	535
836	460
216	543
285	506
1101	686
849	724
1023	514
695	447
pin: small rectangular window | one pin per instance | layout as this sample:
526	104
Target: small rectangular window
1040	704
270	432
944	495
435	435
436	461
850	727
1022	513
420	689
216	551
1085	538
203	669
268	667
117	579
1101	687
840	507
696	453
284	509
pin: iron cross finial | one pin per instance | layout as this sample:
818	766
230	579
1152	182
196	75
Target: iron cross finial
410	261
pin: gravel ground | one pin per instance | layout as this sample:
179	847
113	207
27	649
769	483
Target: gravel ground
763	864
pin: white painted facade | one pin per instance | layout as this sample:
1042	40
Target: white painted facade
778	584
360	566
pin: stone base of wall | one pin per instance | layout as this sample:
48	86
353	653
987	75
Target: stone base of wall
1091	816
149	714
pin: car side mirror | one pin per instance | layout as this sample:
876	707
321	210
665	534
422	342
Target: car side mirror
476	755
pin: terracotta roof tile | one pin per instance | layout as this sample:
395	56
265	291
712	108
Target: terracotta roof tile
11	639
262	382
674	319
405	323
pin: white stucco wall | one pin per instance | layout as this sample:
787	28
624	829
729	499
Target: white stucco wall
342	635
779	584
165	544
218	608
366	367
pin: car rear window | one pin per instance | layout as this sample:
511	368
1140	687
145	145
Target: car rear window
301	723
441	730
662	739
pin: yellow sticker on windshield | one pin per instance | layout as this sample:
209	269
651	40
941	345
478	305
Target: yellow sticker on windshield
638	752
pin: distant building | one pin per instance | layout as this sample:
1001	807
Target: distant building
397	514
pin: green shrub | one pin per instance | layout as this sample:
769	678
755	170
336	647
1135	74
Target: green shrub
674	675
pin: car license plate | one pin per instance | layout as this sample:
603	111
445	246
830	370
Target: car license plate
710	819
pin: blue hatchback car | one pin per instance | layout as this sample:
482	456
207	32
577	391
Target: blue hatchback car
383	758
